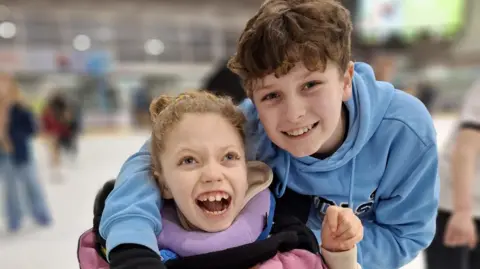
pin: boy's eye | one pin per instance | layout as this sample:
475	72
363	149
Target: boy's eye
187	160
231	156
310	85
270	96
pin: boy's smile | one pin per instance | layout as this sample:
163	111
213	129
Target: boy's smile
302	110
301	132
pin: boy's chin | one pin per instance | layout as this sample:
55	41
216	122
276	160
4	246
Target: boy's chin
300	151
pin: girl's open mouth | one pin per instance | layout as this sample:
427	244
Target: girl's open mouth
214	203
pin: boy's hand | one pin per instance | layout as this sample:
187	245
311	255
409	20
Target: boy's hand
341	229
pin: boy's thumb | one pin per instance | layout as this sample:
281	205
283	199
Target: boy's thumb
332	217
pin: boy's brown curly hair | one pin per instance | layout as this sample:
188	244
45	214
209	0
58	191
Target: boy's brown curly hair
285	32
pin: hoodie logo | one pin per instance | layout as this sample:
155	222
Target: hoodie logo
321	204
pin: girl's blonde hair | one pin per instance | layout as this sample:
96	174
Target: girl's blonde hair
166	111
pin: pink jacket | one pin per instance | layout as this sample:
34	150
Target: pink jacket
295	259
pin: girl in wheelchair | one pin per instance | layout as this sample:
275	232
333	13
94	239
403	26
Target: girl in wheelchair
218	211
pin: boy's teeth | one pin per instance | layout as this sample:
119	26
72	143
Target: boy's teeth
300	131
211	198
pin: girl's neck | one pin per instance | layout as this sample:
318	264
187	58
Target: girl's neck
184	222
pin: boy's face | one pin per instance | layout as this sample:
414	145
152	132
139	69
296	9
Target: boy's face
301	111
204	170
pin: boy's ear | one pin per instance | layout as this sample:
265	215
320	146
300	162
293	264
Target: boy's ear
164	190
348	81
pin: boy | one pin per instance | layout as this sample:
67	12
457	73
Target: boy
332	134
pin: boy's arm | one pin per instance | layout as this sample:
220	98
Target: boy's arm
341	260
405	222
132	210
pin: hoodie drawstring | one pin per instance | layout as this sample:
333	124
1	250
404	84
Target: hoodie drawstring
352	181
282	186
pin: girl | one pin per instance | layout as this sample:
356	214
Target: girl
218	210
17	130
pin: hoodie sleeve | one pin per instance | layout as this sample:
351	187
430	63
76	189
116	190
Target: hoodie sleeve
405	220
132	210
258	145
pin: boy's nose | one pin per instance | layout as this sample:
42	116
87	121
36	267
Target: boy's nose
295	111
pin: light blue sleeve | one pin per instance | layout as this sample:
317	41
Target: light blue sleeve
132	210
258	144
405	222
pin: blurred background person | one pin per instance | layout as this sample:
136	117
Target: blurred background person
20	176
224	82
426	92
61	126
458	222
141	99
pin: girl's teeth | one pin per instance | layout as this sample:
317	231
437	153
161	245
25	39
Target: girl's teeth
215	212
212	198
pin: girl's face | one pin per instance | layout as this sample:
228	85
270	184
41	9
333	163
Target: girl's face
204	170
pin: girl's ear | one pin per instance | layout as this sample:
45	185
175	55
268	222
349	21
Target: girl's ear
164	190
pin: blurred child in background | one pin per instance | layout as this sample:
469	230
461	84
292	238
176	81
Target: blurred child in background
17	129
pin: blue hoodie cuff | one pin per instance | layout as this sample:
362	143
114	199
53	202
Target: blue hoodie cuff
132	231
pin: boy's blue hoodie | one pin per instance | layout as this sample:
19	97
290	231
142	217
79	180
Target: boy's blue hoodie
386	171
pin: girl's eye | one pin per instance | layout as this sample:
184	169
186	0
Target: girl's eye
270	96
231	156
187	160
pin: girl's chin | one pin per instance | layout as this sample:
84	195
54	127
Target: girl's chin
215	222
